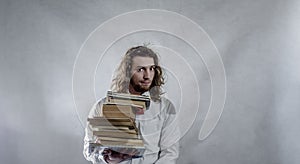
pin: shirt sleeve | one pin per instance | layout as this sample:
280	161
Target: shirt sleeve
94	154
170	135
90	153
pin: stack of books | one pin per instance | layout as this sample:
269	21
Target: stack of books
115	127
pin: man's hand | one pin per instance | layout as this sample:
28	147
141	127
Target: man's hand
113	157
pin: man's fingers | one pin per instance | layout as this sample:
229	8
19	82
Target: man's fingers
98	140
106	152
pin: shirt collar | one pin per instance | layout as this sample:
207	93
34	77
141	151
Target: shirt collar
146	93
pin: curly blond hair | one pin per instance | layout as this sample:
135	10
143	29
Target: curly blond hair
122	76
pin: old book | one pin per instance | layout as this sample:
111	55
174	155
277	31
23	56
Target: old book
115	110
109	127
125	129
136	151
118	143
128	96
115	134
122	145
128	141
100	121
134	100
134	103
124	108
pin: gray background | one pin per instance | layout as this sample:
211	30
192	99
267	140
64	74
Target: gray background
258	42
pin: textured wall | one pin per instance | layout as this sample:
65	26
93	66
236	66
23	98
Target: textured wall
257	40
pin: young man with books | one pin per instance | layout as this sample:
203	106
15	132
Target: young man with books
139	74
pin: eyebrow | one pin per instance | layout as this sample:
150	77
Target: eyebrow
146	66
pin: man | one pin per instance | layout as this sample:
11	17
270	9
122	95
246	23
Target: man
139	73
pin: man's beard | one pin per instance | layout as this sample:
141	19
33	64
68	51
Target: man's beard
139	88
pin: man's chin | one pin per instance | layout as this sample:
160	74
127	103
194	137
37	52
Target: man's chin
143	88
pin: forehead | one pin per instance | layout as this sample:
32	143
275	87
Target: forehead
142	61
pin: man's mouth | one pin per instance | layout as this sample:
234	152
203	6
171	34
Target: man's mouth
145	82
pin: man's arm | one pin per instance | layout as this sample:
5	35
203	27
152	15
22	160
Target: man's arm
90	153
98	155
170	135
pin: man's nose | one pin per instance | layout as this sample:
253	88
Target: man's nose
147	74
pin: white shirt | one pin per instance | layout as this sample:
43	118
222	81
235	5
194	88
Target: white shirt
159	131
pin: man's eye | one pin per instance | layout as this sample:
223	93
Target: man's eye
152	68
140	69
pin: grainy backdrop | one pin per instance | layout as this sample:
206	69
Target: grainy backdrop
257	40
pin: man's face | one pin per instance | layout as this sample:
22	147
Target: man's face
142	73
